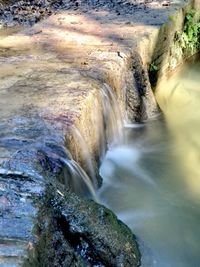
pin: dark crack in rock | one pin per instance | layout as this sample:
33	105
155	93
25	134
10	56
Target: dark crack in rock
74	231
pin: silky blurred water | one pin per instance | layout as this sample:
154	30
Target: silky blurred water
152	180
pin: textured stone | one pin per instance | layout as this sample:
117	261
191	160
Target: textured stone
52	76
80	232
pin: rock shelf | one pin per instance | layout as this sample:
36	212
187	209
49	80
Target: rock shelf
51	79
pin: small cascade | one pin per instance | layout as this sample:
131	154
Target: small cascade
133	125
99	123
77	179
113	123
128	161
73	176
109	128
152	180
85	153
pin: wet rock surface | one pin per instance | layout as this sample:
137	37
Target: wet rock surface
17	194
51	80
44	224
22	183
80	232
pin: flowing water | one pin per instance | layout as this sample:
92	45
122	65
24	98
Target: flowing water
152	179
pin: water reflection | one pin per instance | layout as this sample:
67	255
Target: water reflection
153	180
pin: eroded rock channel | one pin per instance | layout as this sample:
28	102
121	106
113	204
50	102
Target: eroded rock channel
66	85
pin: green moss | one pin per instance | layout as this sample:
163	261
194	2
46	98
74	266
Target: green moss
182	44
190	37
187	41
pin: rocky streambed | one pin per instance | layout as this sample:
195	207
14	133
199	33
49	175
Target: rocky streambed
44	224
54	78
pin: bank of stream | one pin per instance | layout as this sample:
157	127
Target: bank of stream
67	84
152	179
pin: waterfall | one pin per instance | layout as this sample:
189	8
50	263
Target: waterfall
85	153
77	179
109	131
73	176
109	128
112	117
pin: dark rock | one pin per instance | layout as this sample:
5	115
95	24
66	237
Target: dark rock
140	101
17	215
45	224
74	231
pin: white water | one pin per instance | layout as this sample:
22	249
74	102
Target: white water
152	181
113	122
86	156
77	179
109	126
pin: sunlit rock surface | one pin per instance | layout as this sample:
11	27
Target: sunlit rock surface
50	81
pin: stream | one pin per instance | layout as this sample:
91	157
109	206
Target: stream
59	117
151	180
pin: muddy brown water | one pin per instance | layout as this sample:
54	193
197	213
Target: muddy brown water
152	180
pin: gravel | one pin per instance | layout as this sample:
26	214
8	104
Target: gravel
30	12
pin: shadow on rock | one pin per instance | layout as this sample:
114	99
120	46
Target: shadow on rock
74	231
